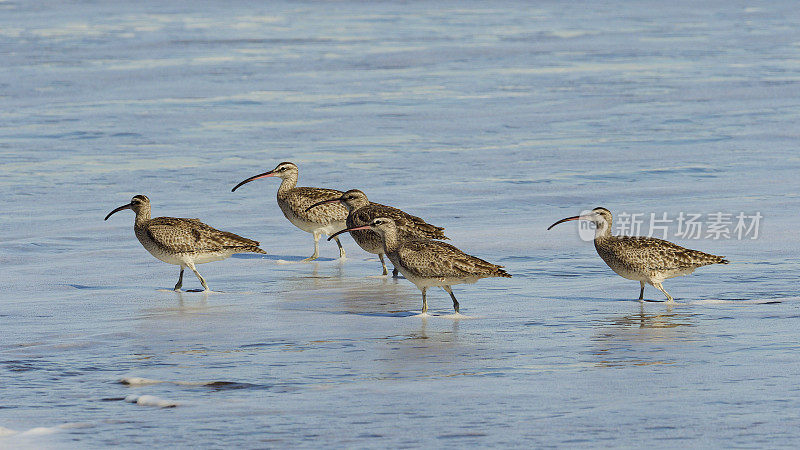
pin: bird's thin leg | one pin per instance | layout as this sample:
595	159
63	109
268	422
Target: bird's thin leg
383	263
455	302
661	288
424	301
199	277
341	249
317	234
641	293
180	280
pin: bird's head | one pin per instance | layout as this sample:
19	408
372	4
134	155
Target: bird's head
283	170
600	217
139	203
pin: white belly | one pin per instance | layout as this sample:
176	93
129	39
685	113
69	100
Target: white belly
311	227
651	277
630	275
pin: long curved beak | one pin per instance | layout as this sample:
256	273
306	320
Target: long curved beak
364	227
323	202
128	206
564	220
255	177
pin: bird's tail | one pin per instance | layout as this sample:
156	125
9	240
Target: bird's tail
502	273
703	259
251	248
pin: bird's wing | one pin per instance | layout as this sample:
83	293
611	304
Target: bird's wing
429	258
190	235
301	198
411	226
658	254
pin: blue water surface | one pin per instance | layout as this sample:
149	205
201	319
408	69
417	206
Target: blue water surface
493	119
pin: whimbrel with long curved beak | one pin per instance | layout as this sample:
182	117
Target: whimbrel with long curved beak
183	242
361	212
428	263
295	202
644	259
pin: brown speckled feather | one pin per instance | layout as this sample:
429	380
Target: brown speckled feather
429	258
180	235
408	225
637	253
363	212
300	198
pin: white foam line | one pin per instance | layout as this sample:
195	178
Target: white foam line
457	316
150	400
41	431
137	381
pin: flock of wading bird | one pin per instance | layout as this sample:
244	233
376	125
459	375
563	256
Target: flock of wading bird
414	246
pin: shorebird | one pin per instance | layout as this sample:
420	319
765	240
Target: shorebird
428	263
295	201
361	212
183	242
643	259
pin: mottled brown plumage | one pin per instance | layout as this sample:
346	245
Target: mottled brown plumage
182	235
363	212
428	263
644	259
184	242
295	203
426	258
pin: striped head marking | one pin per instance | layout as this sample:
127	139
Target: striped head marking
283	170
381	224
354	199
138	203
600	217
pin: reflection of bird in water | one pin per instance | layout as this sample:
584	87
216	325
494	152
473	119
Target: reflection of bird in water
644	320
184	242
361	212
294	202
428	263
644	259
639	339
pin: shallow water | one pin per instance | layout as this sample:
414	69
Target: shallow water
493	121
